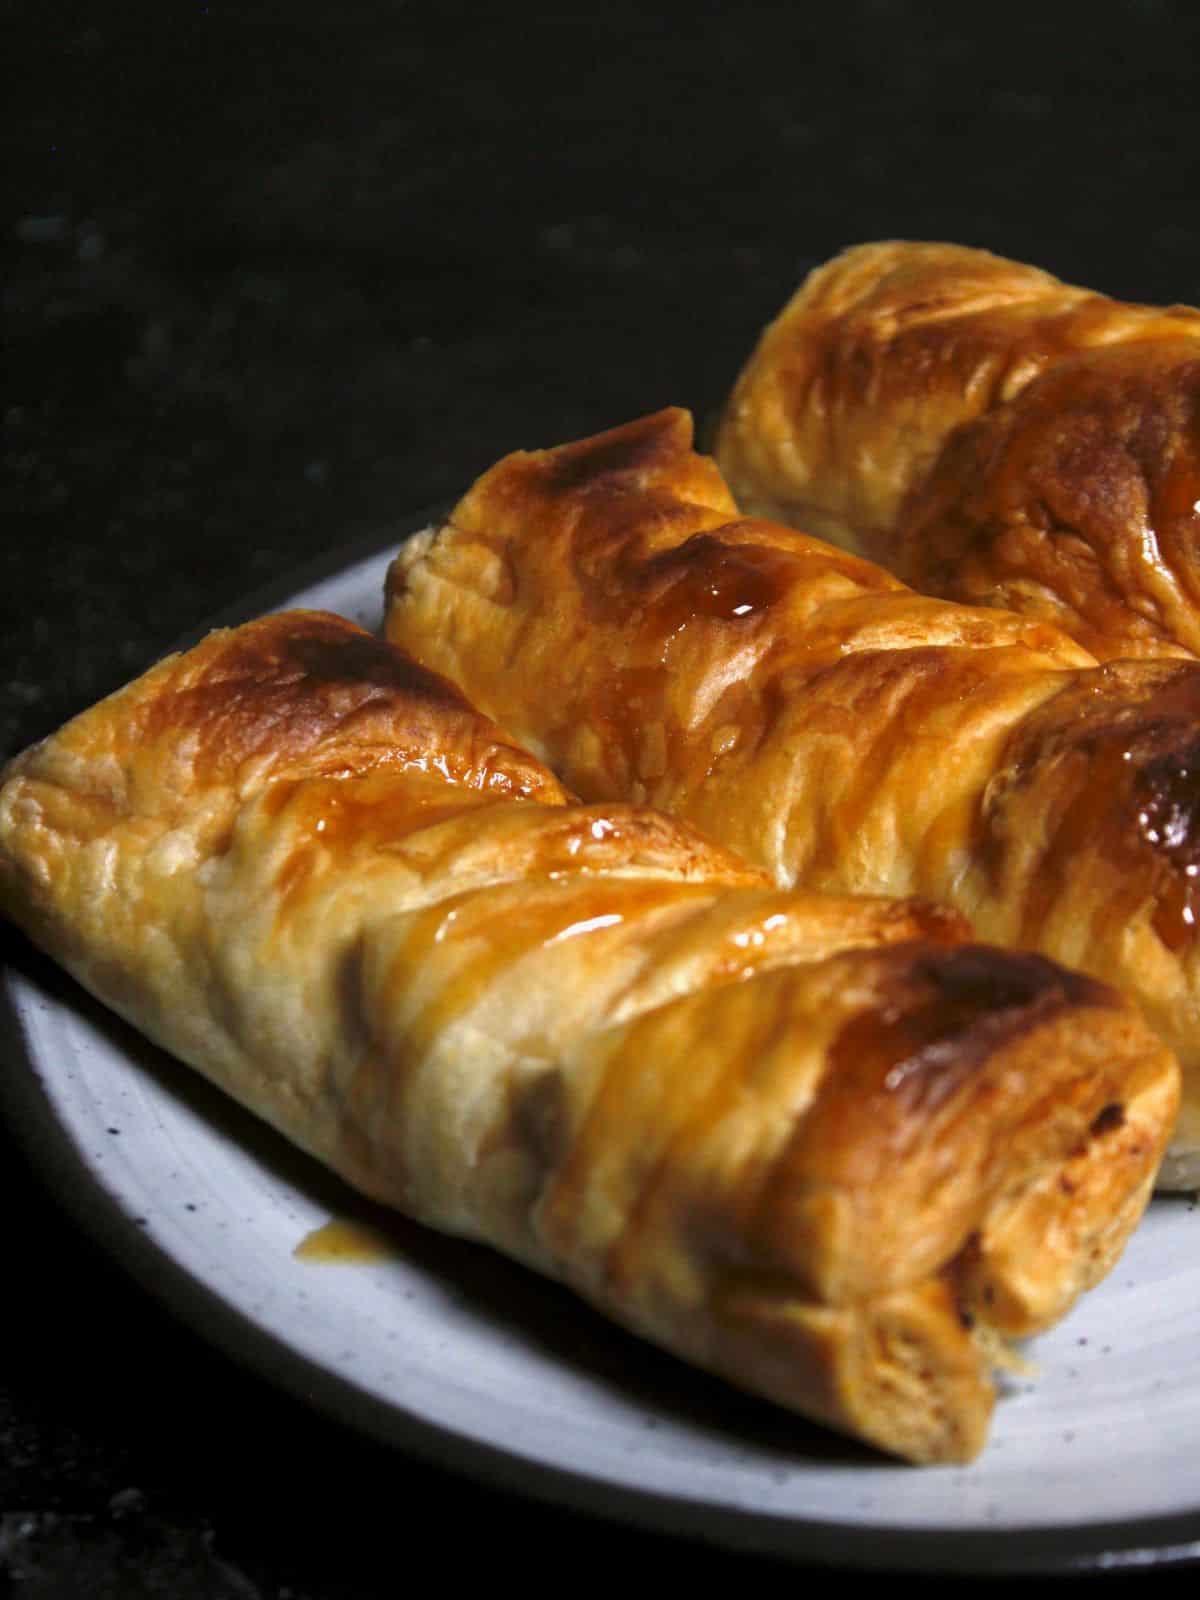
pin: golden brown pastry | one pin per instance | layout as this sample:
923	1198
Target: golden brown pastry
987	433
606	605
823	1147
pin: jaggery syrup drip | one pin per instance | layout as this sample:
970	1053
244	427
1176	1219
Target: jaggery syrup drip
706	578
656	602
1136	796
344	1241
1168	789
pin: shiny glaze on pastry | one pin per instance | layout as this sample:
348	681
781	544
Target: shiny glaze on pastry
806	708
824	1147
989	434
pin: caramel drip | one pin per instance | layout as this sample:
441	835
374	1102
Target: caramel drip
650	604
647	740
333	816
709	579
732	574
623	582
496	931
1133	789
345	1240
483	948
1175	493
1168	791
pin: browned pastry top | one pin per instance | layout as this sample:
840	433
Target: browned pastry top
989	434
823	1146
606	602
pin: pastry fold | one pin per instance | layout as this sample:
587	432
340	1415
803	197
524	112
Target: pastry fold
826	1148
606	604
989	434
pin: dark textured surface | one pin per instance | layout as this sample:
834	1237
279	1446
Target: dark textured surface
274	277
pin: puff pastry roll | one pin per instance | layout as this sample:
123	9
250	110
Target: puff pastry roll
823	1147
605	603
987	433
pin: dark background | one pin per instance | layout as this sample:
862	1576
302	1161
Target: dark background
275	277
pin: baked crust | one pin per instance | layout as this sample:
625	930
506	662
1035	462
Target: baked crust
605	602
802	1141
989	434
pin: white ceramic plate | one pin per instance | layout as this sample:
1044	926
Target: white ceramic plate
447	1349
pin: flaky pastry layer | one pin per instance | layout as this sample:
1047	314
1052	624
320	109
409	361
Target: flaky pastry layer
989	434
824	1147
606	603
